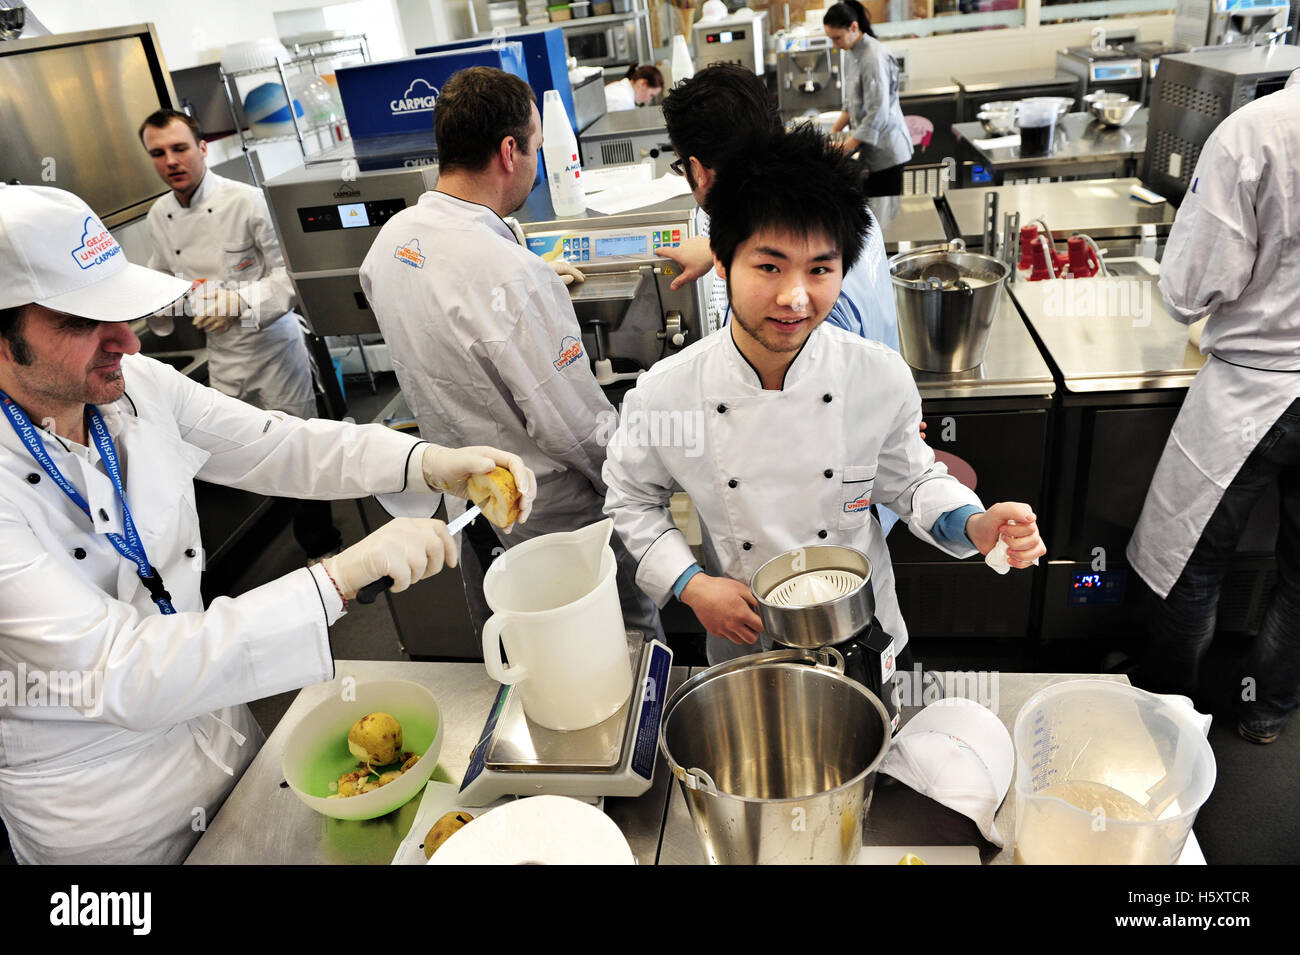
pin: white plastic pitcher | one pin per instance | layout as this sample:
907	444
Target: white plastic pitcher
555	606
1108	774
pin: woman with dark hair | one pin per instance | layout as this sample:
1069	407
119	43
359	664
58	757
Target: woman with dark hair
638	88
878	136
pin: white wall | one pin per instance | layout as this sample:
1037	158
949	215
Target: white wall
196	32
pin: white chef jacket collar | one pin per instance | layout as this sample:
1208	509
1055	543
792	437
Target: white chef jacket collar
1294	79
201	194
476	212
794	372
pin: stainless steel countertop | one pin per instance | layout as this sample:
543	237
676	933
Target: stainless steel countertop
264	823
1010	79
646	119
927	86
900	816
1078	139
1109	335
909	219
1012	365
1102	208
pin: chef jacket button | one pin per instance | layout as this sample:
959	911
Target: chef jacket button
190	552
33	479
722	409
178	251
746	546
79	553
103	514
828	473
826	398
821	534
732	483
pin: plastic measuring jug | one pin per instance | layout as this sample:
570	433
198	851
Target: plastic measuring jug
1037	121
1108	774
555	607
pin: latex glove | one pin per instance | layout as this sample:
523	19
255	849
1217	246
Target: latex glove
694	256
1012	523
725	607
215	309
406	548
567	272
448	469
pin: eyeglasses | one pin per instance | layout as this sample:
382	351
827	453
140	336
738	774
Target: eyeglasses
676	167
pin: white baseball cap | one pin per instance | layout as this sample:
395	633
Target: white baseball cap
959	754
55	252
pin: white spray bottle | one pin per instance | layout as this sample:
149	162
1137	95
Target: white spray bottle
560	148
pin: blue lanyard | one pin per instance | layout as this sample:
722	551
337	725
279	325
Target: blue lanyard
130	546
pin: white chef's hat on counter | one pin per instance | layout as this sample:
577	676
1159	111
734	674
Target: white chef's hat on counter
959	754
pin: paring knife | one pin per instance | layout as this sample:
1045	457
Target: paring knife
368	593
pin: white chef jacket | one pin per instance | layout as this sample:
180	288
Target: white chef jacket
484	339
807	461
137	751
871	100
225	236
1232	252
619	95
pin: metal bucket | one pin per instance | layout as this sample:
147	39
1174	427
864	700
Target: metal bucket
946	300
776	754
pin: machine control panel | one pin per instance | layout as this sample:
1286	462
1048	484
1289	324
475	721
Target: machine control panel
1129	70
603	245
349	215
1097	589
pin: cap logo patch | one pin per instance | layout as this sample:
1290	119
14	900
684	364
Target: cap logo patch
97	245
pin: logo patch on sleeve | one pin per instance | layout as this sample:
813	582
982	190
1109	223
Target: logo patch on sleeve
570	351
409	254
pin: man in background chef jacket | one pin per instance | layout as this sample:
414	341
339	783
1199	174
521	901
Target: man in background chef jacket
122	717
484	339
218	232
803	425
1232	254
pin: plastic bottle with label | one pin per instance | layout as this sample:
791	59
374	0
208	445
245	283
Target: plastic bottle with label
560	148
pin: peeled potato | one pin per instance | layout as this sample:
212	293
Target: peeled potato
376	739
447	826
496	494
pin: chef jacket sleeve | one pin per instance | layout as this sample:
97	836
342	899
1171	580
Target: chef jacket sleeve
1210	256
909	481
141	670
269	452
640	486
272	295
543	364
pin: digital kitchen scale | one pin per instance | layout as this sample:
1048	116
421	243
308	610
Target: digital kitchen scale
516	757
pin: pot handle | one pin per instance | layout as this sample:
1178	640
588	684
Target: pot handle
957	245
492	653
828	658
696	779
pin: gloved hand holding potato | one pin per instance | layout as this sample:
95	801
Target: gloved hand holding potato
450	470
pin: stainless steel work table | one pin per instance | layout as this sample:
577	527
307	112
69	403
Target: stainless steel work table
1081	145
1109	335
264	823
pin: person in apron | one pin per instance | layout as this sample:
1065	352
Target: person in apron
1232	255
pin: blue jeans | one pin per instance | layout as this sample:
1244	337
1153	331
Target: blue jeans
1188	616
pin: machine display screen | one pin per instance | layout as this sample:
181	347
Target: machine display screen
352	215
726	36
1104	588
621	245
349	215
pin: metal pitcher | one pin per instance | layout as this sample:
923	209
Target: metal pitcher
776	754
946	300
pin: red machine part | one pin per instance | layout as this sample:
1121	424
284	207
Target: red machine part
1083	260
1043	259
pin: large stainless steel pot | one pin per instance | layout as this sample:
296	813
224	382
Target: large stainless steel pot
776	754
846	574
946	300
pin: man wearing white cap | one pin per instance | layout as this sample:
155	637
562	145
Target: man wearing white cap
122	724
